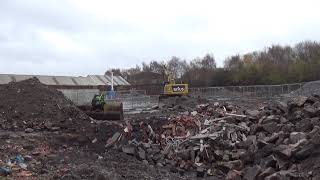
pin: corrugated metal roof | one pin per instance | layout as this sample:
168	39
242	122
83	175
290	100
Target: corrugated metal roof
84	81
125	82
106	79
99	80
48	80
21	77
5	79
65	80
90	80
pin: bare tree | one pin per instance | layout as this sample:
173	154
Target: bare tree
156	67
177	66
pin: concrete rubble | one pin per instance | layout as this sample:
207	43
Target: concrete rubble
276	141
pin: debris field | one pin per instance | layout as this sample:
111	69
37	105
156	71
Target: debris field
43	135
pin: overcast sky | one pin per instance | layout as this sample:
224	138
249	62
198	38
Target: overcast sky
80	37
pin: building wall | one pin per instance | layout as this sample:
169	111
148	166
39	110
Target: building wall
90	80
150	89
80	96
80	90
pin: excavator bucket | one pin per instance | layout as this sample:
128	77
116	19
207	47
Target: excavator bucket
111	111
114	109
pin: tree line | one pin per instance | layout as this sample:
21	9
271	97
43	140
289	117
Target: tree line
273	65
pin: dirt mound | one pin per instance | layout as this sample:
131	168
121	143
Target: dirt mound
44	136
31	106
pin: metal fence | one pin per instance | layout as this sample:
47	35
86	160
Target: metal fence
258	91
139	103
80	96
138	99
132	100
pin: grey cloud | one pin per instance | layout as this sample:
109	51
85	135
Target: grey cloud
120	43
57	16
41	14
3	39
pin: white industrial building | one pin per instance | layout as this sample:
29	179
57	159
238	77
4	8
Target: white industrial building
78	89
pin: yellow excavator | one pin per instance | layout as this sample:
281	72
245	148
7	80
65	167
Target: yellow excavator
171	88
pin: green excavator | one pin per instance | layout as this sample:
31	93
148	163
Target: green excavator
105	106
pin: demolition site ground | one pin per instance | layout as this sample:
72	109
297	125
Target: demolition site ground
45	136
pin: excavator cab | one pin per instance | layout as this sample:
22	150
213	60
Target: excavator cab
97	101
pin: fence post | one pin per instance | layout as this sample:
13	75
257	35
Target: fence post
242	91
77	93
255	91
268	91
300	89
131	101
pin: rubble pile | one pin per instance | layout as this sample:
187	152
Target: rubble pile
277	141
32	106
308	89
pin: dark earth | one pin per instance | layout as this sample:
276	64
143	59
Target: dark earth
56	140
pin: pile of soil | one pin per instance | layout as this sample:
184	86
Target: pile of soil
32	106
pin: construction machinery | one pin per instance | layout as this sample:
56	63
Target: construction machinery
171	88
106	106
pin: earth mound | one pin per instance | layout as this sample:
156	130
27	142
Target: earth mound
29	104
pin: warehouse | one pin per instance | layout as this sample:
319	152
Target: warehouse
78	89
